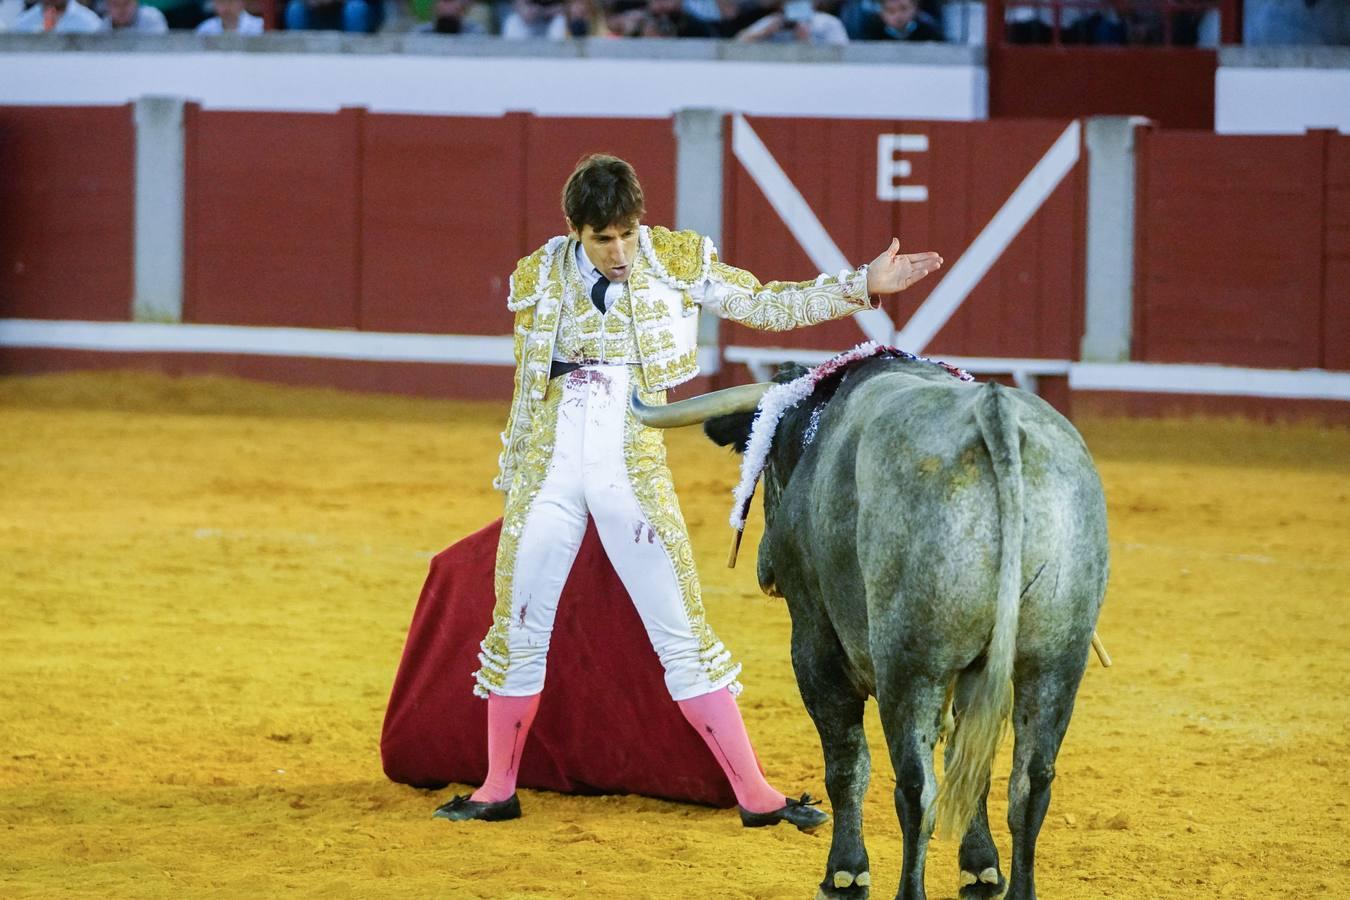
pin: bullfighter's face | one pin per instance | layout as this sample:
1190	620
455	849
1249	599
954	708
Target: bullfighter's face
611	249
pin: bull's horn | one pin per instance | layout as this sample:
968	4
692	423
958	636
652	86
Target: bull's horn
701	408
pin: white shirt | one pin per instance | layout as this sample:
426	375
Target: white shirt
247	25
76	19
147	20
826	30
590	275
517	29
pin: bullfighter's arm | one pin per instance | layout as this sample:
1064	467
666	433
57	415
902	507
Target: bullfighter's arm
736	294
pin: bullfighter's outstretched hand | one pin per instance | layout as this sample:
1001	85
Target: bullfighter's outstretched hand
894	271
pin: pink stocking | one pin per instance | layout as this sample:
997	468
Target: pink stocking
717	719
509	720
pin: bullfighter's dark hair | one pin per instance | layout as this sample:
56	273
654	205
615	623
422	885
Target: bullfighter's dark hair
602	191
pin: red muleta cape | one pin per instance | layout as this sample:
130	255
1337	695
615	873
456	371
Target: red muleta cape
606	723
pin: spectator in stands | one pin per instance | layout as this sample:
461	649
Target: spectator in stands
356	16
582	18
231	18
58	17
1267	23
129	16
855	13
900	20
625	18
737	15
179	14
796	21
535	19
1033	25
703	10
667	18
450	17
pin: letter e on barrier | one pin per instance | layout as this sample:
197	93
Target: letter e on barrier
890	169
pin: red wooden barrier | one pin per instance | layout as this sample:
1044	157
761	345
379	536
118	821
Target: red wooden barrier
412	223
441	222
1172	86
1241	250
1336	274
272	218
66	212
386	222
1030	302
1150	73
555	145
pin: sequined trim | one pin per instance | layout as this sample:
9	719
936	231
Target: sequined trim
680	258
785	305
673	372
535	329
494	656
645	456
531	274
583	332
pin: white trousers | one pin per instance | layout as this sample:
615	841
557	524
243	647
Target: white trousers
589	473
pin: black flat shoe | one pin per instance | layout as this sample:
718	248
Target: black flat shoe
461	809
802	813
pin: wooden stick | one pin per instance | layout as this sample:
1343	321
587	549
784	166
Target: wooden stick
735	547
1102	656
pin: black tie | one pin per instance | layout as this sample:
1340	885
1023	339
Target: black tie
598	293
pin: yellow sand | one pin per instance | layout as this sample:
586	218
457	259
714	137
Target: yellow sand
205	586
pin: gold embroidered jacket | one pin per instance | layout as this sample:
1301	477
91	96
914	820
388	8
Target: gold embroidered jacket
675	273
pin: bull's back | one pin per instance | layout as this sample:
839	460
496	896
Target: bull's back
927	525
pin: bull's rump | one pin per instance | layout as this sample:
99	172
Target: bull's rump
907	483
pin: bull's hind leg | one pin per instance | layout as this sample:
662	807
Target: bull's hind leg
836	706
911	710
978	857
1043	697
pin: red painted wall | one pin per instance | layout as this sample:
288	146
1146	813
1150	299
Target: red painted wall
441	222
1172	86
272	218
412	223
1242	249
385	222
1030	302
66	212
1336	271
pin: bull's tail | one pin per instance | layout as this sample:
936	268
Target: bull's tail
980	725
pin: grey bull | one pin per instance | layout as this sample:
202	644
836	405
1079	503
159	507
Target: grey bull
942	547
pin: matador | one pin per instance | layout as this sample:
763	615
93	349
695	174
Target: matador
606	309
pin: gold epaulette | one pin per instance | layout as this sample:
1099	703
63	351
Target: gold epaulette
682	258
531	275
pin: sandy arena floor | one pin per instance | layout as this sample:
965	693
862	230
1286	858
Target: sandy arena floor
205	586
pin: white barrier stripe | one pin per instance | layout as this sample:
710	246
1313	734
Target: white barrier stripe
371	346
745	354
147	337
985	250
1169	378
1140	378
797	215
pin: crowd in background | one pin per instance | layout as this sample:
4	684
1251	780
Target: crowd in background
827	22
821	22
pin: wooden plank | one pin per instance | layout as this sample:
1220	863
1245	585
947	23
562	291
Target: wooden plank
66	212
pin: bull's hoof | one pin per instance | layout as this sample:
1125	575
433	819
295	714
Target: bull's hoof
845	886
984	885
